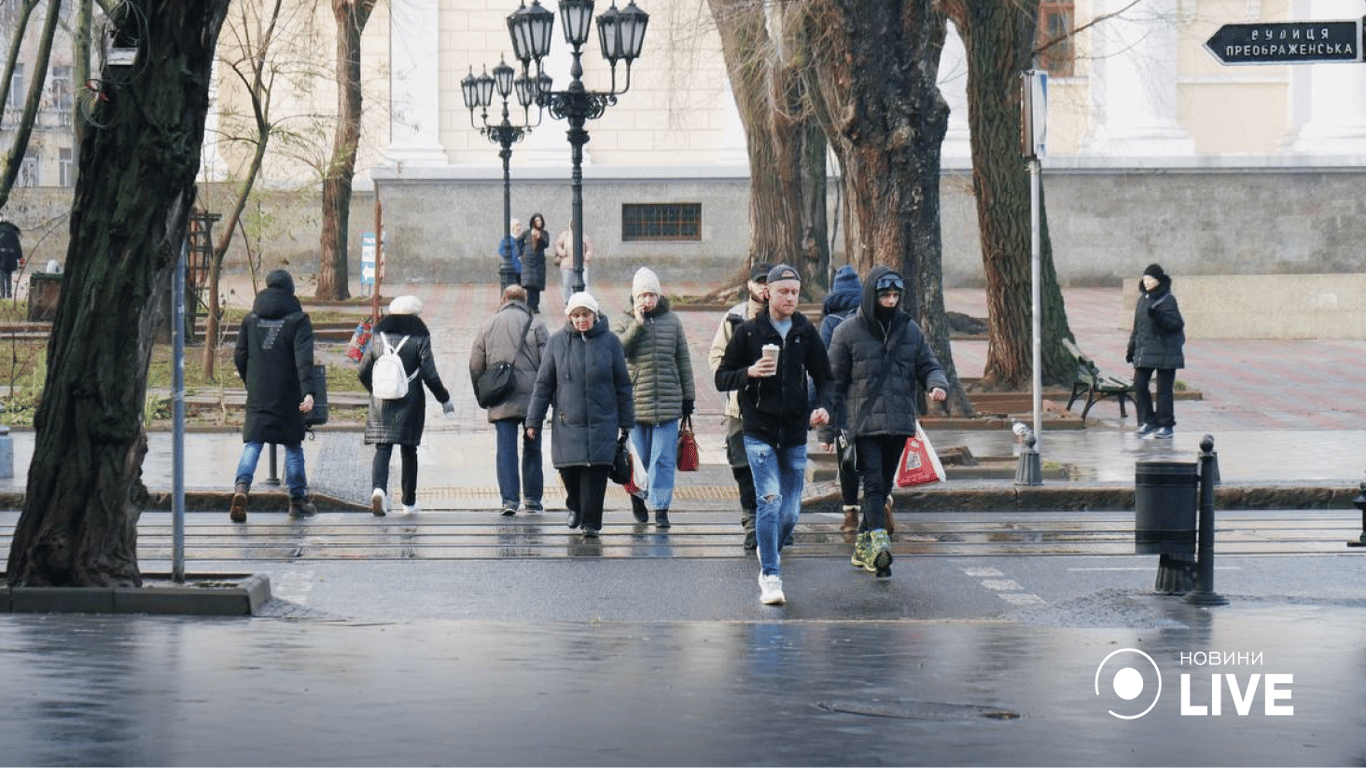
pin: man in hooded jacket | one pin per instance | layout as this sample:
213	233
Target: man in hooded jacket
274	359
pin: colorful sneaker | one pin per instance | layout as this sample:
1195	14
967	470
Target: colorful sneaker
771	590
379	504
880	549
863	555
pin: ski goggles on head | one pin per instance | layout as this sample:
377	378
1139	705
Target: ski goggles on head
889	283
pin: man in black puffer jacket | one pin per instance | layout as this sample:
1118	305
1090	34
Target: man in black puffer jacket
274	358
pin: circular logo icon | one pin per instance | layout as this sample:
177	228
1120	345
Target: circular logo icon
1128	678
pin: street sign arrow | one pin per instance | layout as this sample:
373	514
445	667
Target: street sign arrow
1293	42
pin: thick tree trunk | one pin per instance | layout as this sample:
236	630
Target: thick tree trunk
787	219
132	202
875	66
999	37
333	281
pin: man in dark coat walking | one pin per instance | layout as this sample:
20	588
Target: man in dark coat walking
274	358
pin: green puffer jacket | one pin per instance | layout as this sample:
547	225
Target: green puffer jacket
661	369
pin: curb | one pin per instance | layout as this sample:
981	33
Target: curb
199	595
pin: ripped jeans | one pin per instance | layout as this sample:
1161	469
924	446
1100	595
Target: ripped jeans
779	476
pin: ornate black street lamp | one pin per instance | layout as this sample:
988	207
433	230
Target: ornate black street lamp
478	92
621	34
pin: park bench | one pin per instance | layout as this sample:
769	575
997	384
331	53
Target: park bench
1093	384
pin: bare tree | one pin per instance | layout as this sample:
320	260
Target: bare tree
133	197
874	66
351	17
785	144
15	157
999	37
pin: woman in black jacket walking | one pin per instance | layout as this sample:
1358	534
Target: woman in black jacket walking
877	358
400	422
1155	346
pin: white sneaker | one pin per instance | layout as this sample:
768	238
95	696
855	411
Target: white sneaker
411	509
771	590
378	503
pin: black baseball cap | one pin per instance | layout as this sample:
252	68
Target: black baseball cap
759	273
783	272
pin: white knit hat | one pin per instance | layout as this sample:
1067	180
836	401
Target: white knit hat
405	305
645	281
581	299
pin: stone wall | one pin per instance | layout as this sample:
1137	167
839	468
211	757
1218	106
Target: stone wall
1266	306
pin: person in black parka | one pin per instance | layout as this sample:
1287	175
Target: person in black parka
533	243
400	422
274	358
1156	347
10	253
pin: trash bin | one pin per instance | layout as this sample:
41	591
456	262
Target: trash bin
1165	505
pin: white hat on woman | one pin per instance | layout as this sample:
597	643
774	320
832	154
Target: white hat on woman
581	299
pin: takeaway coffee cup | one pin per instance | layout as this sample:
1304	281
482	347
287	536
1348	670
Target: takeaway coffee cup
770	352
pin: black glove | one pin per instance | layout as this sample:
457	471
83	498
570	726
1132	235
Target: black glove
687	407
1129	357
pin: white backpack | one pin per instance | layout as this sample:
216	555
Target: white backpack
388	379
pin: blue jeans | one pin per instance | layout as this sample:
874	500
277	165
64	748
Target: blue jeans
294	467
779	475
567	280
533	476
657	445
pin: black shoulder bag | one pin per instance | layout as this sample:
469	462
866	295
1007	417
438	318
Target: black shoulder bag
496	383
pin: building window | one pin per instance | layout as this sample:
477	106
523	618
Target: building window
16	89
59	88
28	172
661	221
1055	41
65	173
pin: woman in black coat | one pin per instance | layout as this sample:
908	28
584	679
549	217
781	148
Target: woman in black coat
400	421
1156	347
583	374
534	241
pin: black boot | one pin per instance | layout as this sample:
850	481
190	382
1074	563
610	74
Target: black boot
575	516
662	518
638	509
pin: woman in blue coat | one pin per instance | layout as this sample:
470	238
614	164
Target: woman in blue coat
583	375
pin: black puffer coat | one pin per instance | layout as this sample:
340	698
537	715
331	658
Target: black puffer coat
533	259
1159	336
862	346
401	422
584	376
274	358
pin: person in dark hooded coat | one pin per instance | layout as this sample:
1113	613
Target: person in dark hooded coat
11	252
877	358
400	422
1156	348
274	359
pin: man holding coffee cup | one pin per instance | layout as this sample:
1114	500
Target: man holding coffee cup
768	360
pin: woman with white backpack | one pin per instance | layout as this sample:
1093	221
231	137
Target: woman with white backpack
396	365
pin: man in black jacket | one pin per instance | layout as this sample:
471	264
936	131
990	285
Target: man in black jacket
274	358
768	360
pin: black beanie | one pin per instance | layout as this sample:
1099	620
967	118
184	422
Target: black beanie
1155	270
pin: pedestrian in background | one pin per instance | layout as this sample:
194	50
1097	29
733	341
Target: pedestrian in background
1156	346
533	243
840	304
510	248
768	360
11	252
564	258
513	335
583	376
755	301
877	357
661	377
274	360
400	422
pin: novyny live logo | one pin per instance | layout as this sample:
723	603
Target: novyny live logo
1131	682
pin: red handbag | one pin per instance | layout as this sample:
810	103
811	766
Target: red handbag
687	446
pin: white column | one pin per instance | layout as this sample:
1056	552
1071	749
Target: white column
414	89
1332	96
1133	82
953	84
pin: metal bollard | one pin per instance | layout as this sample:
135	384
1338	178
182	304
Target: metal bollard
1204	593
274	479
1030	469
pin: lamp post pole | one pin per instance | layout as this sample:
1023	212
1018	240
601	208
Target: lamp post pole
621	35
478	92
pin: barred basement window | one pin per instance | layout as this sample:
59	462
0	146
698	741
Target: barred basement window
661	221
